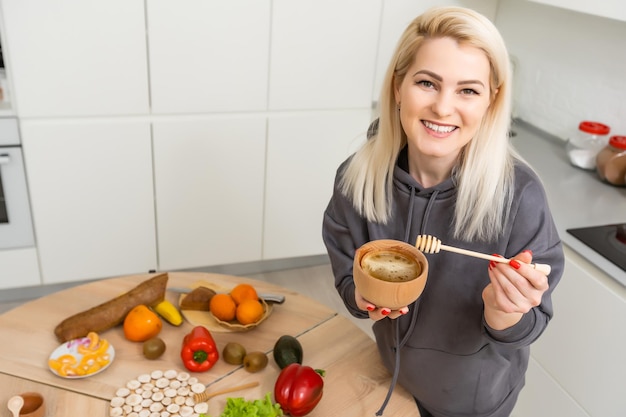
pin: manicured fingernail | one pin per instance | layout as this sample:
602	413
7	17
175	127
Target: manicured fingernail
385	311
371	307
514	263
529	251
404	310
492	264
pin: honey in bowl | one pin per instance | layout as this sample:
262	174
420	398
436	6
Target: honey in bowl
389	273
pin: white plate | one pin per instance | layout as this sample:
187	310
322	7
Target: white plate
71	348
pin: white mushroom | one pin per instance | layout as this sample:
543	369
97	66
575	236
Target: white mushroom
133	384
185	411
116	412
156	374
182	376
201	408
170	374
133	400
162	382
122	392
144	378
198	388
117	402
173	408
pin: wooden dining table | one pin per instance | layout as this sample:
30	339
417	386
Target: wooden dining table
355	382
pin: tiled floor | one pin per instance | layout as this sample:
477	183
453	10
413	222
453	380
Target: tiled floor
315	282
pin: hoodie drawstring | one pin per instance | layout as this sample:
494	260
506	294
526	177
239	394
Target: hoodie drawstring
396	327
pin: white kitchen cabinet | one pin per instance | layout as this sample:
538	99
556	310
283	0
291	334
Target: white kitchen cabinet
209	174
304	152
208	56
19	268
613	9
582	349
323	53
92	197
396	16
76	57
542	396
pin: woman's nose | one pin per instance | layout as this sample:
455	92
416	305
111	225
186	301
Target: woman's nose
443	105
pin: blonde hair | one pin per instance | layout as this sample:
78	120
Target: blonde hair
484	173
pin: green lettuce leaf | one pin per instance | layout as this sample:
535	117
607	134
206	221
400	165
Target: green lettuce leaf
239	407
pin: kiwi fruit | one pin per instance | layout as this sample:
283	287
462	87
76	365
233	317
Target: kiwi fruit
154	348
233	353
255	361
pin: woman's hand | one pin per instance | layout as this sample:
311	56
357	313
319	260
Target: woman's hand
377	313
515	288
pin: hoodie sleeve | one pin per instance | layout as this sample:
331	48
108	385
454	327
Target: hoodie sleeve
341	243
531	227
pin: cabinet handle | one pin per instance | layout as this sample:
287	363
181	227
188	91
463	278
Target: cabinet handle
4	158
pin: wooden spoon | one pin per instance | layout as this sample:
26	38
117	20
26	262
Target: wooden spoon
204	396
15	405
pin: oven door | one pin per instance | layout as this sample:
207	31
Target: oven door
16	229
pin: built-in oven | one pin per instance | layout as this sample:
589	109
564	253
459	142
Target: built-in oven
16	229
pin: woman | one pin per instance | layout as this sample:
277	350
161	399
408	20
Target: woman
438	161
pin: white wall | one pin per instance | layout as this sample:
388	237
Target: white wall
569	66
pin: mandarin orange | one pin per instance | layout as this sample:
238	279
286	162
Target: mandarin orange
249	311
243	292
223	307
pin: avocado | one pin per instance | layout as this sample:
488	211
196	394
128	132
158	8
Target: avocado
287	350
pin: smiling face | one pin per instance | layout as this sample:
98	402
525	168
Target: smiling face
443	99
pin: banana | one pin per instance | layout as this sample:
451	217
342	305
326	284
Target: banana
169	312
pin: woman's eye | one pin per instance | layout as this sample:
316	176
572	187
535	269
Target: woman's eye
425	83
469	91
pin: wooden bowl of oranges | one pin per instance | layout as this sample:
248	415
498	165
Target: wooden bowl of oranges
219	309
239	310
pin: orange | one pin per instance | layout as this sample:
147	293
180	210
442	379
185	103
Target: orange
249	311
141	324
243	292
223	307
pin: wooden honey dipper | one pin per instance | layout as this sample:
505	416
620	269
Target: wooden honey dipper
204	396
430	244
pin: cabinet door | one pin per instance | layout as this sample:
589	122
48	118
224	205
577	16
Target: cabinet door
304	152
77	57
209	190
613	9
583	347
323	53
92	197
19	268
208	56
544	397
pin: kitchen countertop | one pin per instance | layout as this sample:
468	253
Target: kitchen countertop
577	197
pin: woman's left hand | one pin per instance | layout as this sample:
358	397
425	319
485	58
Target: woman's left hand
515	288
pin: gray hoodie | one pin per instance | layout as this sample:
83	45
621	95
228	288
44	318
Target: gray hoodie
448	358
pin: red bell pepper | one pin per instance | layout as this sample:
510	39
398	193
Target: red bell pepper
199	352
299	389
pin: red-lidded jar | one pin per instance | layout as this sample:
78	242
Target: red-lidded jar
585	144
611	161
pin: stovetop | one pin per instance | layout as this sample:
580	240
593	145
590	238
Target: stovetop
608	240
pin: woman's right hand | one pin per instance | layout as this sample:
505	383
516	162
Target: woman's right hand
378	313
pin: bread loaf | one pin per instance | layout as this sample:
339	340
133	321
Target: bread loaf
111	313
198	299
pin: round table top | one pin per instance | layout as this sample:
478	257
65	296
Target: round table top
355	384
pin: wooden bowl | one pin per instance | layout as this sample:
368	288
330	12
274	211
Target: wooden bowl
390	273
34	405
235	326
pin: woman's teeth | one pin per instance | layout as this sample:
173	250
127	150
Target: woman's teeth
439	129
